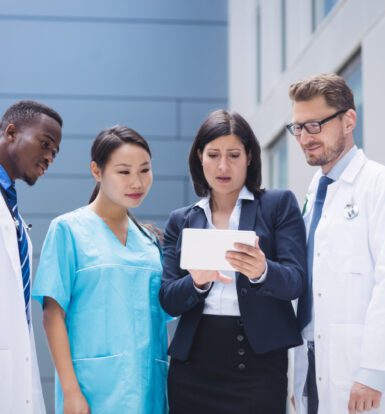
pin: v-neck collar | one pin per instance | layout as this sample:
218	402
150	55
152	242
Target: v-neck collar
108	228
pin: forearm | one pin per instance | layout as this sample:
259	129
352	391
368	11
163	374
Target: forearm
57	335
180	296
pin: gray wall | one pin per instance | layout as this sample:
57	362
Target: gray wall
158	66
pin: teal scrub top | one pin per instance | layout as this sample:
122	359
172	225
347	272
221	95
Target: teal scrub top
116	327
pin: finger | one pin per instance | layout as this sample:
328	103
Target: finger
223	278
368	404
246	248
242	257
360	405
352	405
247	270
376	401
257	243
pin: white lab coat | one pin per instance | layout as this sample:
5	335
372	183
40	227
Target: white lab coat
348	286
20	388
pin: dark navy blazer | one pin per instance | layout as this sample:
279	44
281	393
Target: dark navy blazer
266	310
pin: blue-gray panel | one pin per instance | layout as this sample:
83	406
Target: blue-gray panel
215	10
90	117
194	113
114	59
57	196
170	157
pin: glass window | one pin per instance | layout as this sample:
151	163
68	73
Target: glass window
320	9
277	155
352	73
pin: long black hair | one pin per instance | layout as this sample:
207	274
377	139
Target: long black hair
106	142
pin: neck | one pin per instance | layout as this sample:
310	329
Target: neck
328	167
223	203
107	209
5	162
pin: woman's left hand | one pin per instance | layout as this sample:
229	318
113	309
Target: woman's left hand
248	260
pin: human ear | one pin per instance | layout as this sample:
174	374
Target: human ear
350	120
249	158
10	132
96	171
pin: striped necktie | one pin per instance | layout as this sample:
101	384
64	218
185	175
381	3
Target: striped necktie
305	302
23	249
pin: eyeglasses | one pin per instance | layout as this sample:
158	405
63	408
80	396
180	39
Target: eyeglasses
312	127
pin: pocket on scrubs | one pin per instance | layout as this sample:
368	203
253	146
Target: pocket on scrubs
103	382
6	380
345	345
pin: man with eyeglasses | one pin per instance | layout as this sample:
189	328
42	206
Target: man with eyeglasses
341	366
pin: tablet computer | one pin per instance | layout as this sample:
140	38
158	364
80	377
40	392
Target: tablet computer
205	249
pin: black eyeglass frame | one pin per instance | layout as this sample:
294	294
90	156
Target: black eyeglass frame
320	123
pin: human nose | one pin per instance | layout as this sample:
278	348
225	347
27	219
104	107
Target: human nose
223	164
136	181
49	157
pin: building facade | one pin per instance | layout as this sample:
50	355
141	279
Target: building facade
274	43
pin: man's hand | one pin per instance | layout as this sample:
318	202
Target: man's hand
363	398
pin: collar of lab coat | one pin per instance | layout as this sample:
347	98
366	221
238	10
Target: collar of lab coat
348	175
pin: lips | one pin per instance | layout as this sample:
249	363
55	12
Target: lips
311	148
42	169
135	196
223	179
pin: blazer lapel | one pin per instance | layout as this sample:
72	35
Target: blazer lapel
248	214
248	217
195	220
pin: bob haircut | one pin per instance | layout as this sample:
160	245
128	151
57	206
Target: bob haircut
218	124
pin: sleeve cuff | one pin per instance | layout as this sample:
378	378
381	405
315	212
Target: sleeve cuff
204	289
260	279
371	378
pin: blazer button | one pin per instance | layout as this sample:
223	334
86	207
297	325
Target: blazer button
241	352
241	367
243	292
240	338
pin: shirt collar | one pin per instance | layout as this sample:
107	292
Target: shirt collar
5	181
338	169
244	194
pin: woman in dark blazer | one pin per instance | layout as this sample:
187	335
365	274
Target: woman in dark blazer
229	352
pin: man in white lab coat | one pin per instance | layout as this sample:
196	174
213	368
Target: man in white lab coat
30	135
341	366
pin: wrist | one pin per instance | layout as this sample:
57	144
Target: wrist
70	390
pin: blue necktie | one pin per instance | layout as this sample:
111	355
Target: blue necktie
23	249
305	302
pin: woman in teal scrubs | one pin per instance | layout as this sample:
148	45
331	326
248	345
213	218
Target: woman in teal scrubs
98	280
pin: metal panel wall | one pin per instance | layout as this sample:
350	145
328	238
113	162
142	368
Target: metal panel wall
156	66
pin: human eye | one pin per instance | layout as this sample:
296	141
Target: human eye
212	155
45	144
124	172
234	155
312	126
145	170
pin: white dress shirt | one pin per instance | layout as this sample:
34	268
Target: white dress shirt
222	298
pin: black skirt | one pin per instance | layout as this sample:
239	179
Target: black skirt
223	375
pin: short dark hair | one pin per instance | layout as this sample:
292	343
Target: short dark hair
221	123
331	86
23	112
